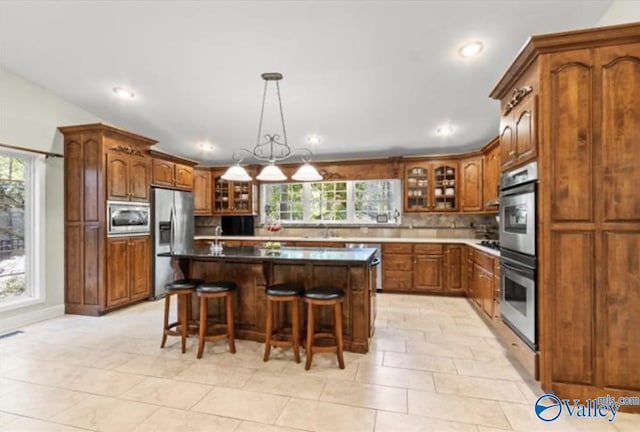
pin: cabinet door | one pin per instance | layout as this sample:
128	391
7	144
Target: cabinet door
471	196
241	197
427	273
221	195
491	177
507	150
202	192
184	176
163	173
416	188
486	288
525	140
117	271
139	179
445	187
117	177
140	266
454	269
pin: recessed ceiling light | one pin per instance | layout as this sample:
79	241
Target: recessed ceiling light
207	146
444	130
123	93
314	139
470	49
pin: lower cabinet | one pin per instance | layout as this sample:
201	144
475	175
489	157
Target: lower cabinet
454	269
128	269
397	267
482	280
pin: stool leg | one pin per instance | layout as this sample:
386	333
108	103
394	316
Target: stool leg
184	323
295	329
167	303
338	330
230	333
310	329
203	325
268	330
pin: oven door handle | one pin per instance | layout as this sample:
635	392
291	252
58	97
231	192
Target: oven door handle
522	271
519	190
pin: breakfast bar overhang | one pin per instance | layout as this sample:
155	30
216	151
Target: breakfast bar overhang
252	269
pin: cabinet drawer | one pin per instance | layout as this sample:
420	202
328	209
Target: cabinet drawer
395	279
483	260
397	262
427	249
396	248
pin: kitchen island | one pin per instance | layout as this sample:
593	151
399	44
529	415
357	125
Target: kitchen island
253	268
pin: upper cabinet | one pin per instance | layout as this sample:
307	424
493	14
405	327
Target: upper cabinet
202	196
172	172
431	186
518	128
491	175
471	185
128	175
232	197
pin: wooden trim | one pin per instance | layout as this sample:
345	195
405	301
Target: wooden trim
93	127
494	142
28	150
563	41
172	158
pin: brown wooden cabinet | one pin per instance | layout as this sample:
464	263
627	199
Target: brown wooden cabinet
428	268
231	197
103	163
471	182
454	269
518	128
397	266
589	215
202	196
127	176
171	171
481	281
491	175
128	269
431	186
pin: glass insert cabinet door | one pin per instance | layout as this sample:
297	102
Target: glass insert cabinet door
221	195
445	188
417	188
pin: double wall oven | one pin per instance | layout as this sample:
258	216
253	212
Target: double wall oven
518	251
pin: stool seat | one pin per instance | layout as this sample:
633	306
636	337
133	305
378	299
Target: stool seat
213	290
183	284
324	296
216	287
284	290
324	293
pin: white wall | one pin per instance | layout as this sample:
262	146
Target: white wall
29	116
620	11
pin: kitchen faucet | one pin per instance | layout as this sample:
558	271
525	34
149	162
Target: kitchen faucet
216	247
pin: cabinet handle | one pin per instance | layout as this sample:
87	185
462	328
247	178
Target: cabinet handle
512	152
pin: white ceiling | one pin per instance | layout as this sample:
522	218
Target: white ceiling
371	78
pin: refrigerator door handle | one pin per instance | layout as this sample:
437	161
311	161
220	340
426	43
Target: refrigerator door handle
173	221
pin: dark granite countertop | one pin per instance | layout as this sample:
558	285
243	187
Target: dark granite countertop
284	254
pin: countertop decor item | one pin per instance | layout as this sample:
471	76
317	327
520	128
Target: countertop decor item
274	148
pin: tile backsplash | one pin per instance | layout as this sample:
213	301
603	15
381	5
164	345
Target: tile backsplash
412	225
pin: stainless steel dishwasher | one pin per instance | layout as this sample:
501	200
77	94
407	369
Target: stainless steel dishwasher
378	254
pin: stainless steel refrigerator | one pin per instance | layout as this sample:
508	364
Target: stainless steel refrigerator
172	229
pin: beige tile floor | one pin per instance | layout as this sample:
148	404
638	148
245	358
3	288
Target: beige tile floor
434	366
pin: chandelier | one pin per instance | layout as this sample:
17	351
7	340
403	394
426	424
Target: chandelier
272	149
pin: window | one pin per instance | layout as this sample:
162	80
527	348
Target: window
332	201
18	231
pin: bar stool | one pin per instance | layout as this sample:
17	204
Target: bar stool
215	290
276	294
324	296
183	289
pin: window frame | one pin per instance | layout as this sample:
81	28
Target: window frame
396	203
34	219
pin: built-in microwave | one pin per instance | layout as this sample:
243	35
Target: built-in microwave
128	218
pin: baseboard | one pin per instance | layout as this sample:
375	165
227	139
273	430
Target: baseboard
23	319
